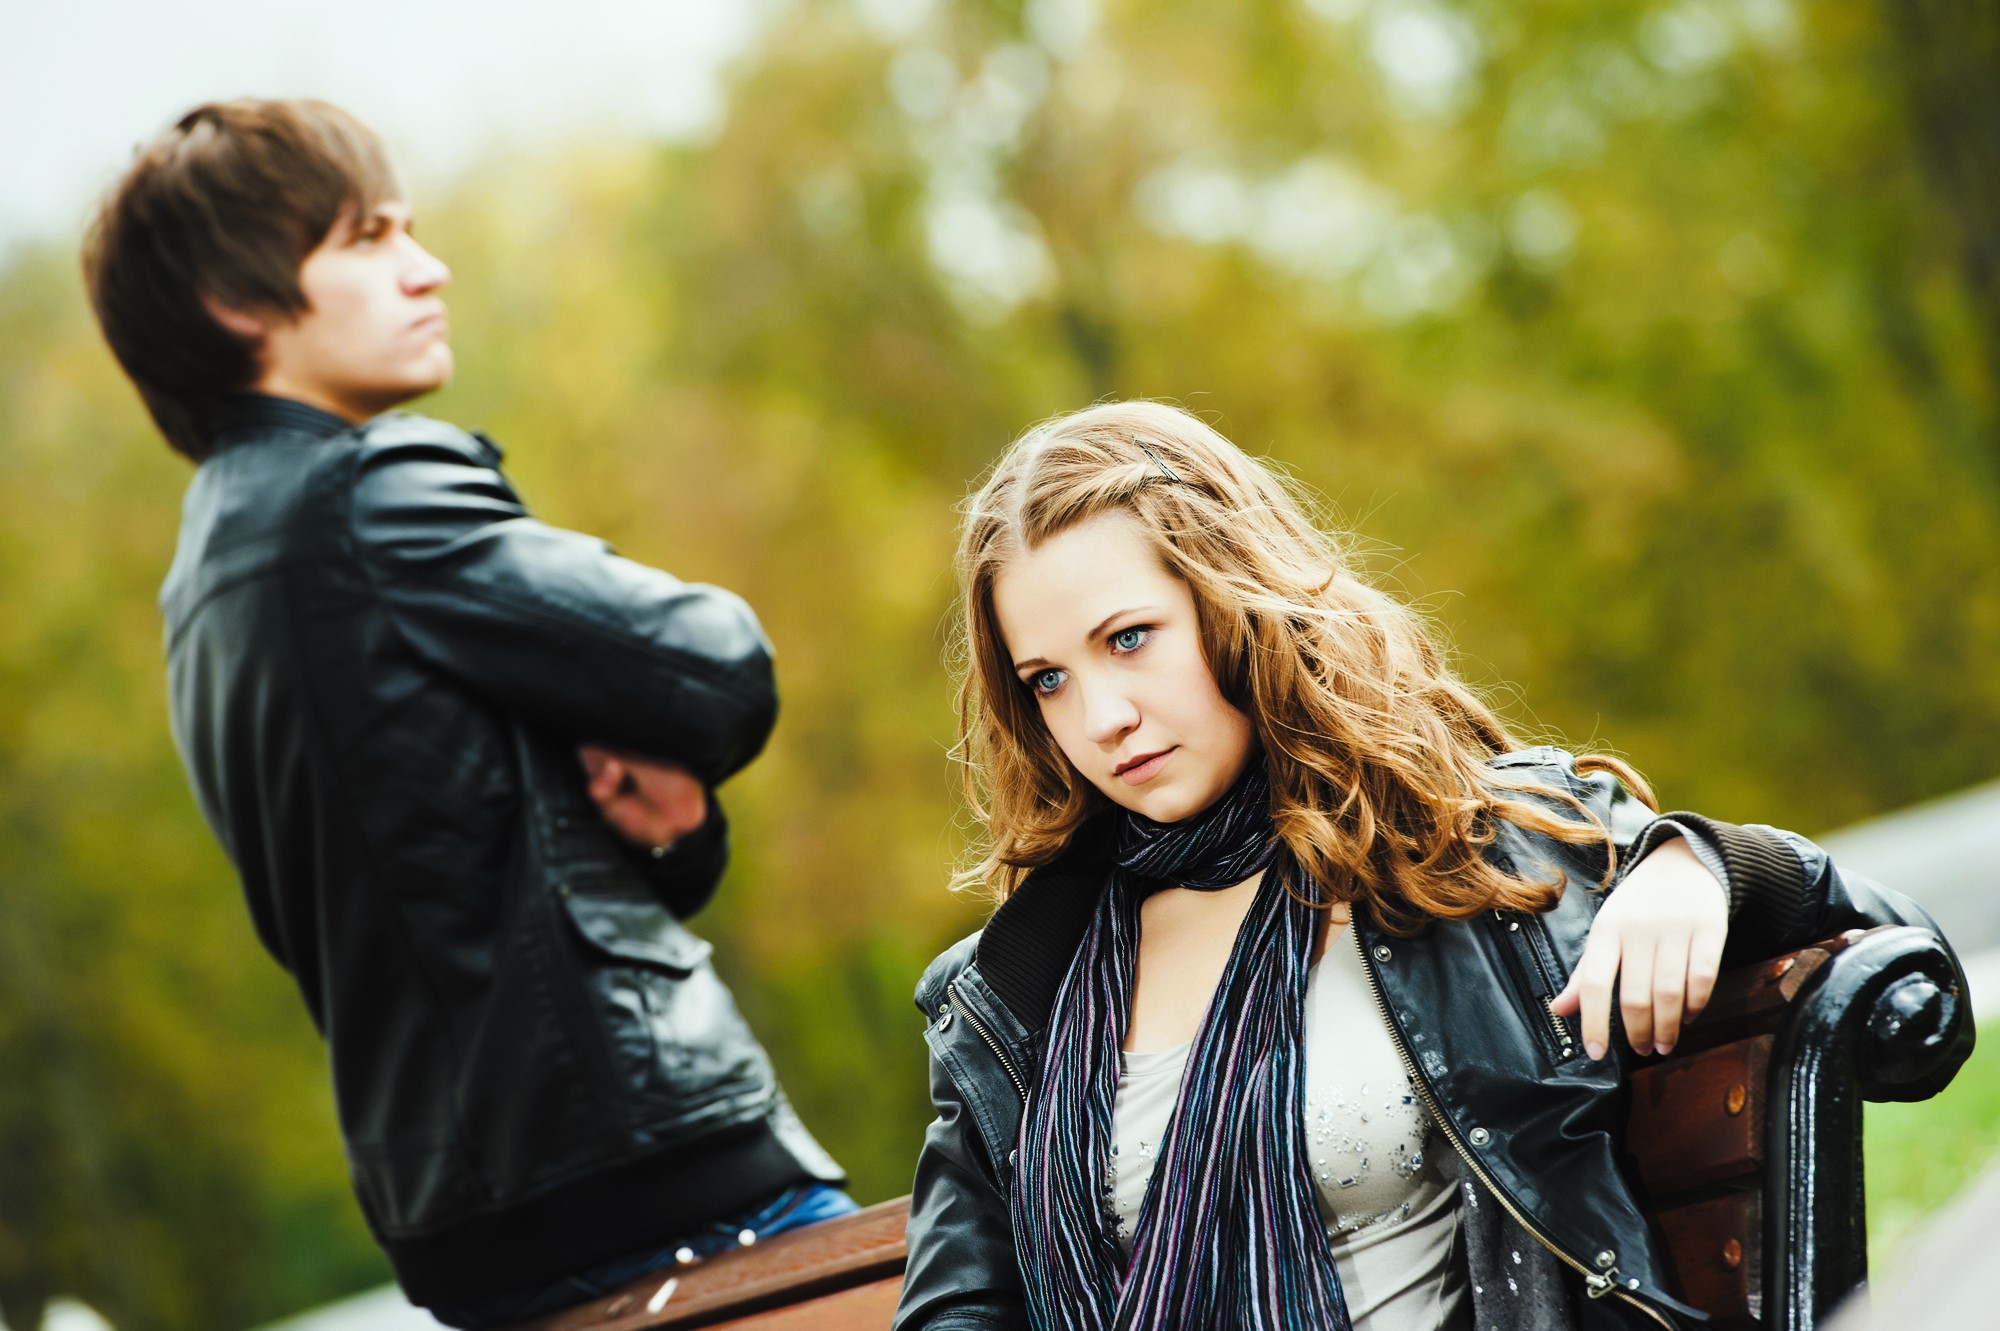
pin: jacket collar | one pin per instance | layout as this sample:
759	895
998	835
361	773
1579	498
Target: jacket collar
250	416
1028	944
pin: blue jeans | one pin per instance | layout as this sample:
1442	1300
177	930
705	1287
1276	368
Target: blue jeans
791	1209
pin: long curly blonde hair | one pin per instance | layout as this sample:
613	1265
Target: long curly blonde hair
1377	754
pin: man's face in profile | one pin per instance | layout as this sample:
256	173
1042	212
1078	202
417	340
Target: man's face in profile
373	334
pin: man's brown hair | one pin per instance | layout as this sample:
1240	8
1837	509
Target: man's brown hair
223	207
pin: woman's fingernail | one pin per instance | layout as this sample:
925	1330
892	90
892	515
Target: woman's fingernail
1594	1049
1664	1049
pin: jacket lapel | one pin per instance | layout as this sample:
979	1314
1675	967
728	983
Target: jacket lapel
1028	945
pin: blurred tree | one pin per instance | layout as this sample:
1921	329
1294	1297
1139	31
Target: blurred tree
1951	51
1636	342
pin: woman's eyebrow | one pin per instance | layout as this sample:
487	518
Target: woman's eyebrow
1116	615
1096	631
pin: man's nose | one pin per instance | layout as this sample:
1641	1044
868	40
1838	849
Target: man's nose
426	272
1109	714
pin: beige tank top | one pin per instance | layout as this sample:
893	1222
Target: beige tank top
1386	1180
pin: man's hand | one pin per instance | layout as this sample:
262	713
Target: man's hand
646	801
1663	928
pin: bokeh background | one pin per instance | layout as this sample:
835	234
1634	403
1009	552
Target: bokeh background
1653	348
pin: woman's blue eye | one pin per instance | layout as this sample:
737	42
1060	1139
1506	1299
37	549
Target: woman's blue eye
1129	640
1047	682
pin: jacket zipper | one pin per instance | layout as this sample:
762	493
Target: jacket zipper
1564	1040
1529	947
1596	1284
1544	954
965	1011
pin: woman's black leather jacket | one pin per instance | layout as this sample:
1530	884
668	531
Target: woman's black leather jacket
1534	1120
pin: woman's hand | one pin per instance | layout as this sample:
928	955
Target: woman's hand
1662	930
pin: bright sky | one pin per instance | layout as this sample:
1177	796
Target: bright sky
82	82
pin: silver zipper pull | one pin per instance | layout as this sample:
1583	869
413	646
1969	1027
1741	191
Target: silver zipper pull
1563	1037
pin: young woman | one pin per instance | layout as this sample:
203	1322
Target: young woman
1297	1009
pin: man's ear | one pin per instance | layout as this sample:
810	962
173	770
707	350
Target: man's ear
250	327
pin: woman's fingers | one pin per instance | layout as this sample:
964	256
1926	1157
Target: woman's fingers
1704	965
1588	992
1669	996
1635	994
1661	985
1657	944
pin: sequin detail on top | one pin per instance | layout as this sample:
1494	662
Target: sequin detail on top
1148	1084
1385	1182
1368	1135
1383	1126
1369	1141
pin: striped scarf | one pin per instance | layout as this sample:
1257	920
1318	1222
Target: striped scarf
1229	1235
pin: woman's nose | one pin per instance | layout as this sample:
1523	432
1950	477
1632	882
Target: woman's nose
1108	715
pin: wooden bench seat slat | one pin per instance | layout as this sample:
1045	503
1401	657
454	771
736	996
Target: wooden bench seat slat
838	1254
863	1308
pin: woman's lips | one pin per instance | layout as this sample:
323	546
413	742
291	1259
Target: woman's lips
1140	773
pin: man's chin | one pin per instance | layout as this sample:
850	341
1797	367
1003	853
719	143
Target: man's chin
436	373
415	386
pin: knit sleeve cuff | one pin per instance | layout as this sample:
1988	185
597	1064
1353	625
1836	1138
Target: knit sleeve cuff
1763	875
1664	829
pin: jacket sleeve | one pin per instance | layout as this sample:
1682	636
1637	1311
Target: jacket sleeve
961	1274
1784	891
551	625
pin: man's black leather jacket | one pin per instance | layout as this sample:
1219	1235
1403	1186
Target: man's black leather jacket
380	667
1532	1119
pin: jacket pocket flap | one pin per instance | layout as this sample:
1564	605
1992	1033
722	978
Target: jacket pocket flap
632	928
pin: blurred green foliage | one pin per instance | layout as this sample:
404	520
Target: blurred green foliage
1637	342
1918	1156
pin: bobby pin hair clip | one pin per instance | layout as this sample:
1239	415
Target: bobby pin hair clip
1165	470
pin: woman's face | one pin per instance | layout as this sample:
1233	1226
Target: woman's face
1105	640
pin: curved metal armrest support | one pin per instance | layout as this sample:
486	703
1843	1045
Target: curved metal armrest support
1885	1018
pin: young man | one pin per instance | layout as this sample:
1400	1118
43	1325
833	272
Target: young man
415	717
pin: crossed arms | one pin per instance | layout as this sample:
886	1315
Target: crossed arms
666	685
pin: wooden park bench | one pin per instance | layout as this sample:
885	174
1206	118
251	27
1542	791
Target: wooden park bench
1746	1144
